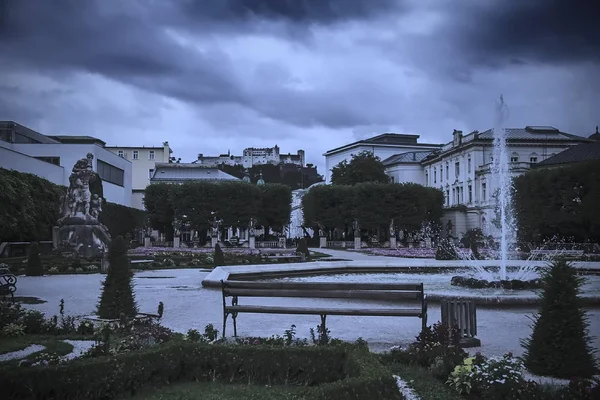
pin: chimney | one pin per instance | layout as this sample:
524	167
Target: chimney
457	137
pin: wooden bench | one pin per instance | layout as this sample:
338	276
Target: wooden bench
8	283
322	290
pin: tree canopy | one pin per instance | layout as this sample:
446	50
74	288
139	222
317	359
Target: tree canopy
235	203
561	201
373	205
363	167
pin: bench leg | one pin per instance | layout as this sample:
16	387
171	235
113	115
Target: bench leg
224	323
234	317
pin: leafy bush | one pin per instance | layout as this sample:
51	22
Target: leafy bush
219	258
559	345
12	330
446	250
34	262
10	313
117	297
34	322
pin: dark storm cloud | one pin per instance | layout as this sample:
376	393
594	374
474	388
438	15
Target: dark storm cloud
509	32
302	11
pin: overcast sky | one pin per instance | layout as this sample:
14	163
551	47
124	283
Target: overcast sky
213	75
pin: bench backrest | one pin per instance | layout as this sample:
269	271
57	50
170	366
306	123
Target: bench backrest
8	280
372	291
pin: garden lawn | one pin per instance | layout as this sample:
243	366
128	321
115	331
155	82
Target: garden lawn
216	391
424	383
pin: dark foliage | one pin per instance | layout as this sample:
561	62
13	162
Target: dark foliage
560	345
121	220
561	201
332	373
34	261
117	297
445	250
363	167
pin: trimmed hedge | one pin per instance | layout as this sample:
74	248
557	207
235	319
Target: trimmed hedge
30	207
342	372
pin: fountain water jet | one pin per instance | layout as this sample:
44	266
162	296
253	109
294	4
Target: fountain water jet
501	175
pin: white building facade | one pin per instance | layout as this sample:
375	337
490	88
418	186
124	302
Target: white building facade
143	164
383	146
53	158
462	170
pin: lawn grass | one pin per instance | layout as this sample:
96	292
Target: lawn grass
427	386
216	391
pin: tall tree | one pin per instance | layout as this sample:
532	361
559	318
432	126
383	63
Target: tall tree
363	167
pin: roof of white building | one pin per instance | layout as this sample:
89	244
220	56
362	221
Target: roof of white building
410	157
543	133
385	139
189	172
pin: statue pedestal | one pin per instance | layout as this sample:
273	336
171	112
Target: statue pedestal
176	241
252	242
357	243
83	237
393	243
213	241
147	242
322	242
104	264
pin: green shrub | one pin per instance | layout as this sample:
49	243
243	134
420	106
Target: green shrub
34	262
559	345
109	377
219	257
446	250
117	297
34	322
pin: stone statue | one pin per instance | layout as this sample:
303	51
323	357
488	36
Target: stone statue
80	233
449	226
216	225
251	228
176	227
95	206
392	229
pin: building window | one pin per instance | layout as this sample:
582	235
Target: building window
6	135
454	197
151	155
469	165
121	154
447	172
136	154
426	178
391	179
434	175
51	160
514	158
483	191
24	139
470	194
150	173
447	197
533	159
110	173
457	169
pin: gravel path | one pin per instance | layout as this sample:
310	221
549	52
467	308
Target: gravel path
17	355
79	347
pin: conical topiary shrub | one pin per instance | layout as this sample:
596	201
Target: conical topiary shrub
219	258
559	345
446	250
34	262
117	290
303	248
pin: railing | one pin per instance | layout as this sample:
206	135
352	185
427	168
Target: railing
340	244
161	244
267	244
460	314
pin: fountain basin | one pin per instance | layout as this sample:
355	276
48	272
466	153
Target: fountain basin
435	275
